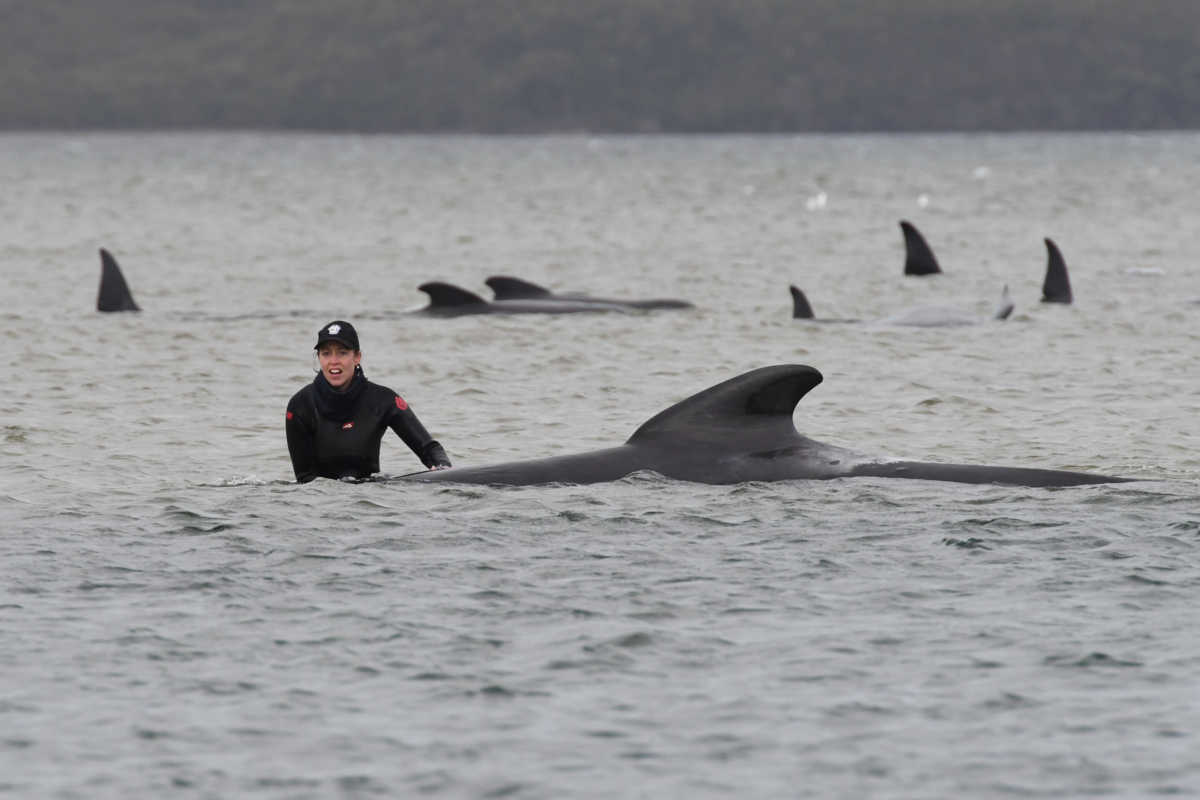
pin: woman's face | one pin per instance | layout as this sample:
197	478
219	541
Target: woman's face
337	363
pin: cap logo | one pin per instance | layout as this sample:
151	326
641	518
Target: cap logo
332	330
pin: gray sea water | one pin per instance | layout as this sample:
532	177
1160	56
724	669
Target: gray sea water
179	619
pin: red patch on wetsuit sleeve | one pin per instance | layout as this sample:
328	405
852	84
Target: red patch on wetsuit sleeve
290	415
400	404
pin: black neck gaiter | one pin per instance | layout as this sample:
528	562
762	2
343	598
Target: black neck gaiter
335	405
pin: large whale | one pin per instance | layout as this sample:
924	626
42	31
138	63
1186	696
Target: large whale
505	287
918	256
114	292
448	300
920	317
740	430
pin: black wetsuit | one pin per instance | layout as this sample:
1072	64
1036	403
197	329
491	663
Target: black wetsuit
334	434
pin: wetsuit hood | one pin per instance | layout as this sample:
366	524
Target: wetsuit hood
335	405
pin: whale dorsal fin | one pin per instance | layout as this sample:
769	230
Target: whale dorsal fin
918	257
447	294
114	292
1005	308
754	410
508	288
1057	286
800	307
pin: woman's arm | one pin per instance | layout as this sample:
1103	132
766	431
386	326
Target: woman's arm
300	446
406	425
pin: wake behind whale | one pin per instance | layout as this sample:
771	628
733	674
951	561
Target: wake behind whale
741	430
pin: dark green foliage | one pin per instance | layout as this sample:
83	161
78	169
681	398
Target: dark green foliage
602	65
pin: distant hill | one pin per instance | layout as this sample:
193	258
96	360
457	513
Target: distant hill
601	65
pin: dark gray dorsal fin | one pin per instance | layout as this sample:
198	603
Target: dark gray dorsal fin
800	307
918	257
447	294
508	288
1057	286
114	292
752	409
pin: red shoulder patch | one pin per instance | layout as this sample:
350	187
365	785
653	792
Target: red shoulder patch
400	404
290	415
347	425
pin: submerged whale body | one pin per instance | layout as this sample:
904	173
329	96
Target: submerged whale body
448	300
740	430
114	293
505	287
918	257
921	317
1056	288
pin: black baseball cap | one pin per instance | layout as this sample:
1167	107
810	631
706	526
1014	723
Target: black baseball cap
338	331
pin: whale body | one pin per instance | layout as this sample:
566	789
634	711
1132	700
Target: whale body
740	430
448	300
505	287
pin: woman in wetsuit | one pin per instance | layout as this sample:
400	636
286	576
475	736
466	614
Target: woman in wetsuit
334	424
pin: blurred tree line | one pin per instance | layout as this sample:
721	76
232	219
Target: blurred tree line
601	65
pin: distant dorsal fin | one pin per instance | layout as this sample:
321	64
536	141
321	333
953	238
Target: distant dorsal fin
1006	306
800	307
918	257
447	294
114	292
508	288
755	409
1057	286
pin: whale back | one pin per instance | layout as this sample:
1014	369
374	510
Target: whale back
737	431
506	287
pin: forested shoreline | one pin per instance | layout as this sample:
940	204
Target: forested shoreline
519	66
